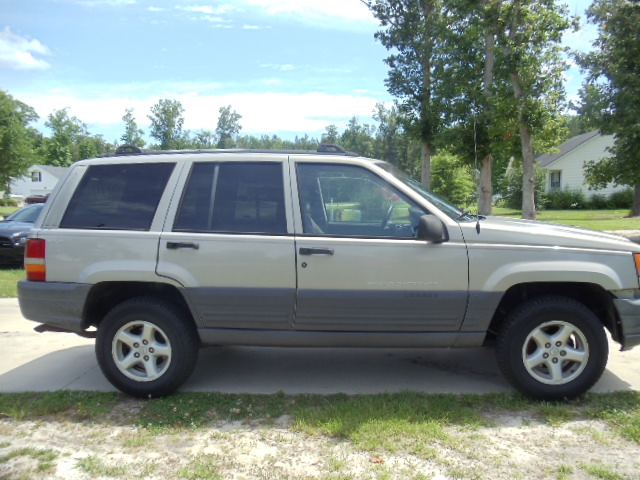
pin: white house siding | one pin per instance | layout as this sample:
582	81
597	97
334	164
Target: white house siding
571	165
32	185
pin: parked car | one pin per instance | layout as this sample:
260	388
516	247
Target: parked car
157	253
14	230
36	199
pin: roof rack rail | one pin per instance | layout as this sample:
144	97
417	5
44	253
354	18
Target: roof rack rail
325	149
332	148
125	149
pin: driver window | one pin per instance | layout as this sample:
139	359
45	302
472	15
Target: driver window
347	200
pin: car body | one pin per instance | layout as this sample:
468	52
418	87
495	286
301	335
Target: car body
157	253
14	230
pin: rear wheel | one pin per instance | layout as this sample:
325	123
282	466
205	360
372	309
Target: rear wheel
147	347
552	348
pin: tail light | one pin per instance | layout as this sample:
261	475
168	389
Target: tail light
34	260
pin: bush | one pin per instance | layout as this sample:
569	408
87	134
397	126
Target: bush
452	180
566	199
599	201
8	202
511	188
622	199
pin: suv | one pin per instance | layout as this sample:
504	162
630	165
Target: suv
157	253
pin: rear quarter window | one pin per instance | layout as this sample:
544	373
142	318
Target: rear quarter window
117	197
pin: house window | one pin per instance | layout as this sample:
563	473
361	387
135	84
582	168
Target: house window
554	179
36	176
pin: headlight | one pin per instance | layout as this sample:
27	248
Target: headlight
20	239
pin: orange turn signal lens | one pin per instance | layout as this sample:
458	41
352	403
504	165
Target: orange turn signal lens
636	257
36	272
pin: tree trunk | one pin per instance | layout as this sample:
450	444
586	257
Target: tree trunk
485	194
426	164
528	173
636	201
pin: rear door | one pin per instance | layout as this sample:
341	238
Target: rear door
361	268
229	244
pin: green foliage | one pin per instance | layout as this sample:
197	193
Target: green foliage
565	199
61	148
611	97
132	134
599	202
16	139
622	198
228	127
511	187
8	202
166	124
358	138
70	141
451	179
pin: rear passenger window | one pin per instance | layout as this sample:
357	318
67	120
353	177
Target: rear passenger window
117	197
233	198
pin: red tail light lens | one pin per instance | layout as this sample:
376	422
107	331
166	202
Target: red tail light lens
34	260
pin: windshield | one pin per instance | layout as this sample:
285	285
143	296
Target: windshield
27	214
450	210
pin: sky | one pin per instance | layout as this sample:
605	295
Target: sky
289	67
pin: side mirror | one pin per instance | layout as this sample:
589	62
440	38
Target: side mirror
431	229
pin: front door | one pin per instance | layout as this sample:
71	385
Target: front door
360	267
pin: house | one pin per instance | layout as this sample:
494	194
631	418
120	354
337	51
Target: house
565	168
40	181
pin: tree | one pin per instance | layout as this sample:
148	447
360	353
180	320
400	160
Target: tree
16	139
228	127
413	30
358	138
204	139
331	134
132	134
611	97
534	66
166	123
61	149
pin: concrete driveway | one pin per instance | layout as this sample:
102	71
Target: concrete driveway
33	361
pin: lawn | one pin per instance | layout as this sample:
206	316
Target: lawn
593	219
7	210
8	280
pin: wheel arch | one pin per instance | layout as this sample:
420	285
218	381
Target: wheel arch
593	296
105	295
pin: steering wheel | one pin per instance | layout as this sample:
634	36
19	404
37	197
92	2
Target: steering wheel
387	217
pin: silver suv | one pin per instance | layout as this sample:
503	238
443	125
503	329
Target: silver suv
157	253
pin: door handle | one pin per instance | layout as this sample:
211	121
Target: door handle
176	245
316	251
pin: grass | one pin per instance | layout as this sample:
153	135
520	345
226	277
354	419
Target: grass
373	422
9	280
7	210
592	219
374	426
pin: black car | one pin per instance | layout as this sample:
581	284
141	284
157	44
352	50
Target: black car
14	230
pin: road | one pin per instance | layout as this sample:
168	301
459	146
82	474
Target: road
49	361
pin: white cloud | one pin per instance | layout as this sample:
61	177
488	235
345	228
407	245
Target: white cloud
325	12
266	113
208	9
19	52
111	3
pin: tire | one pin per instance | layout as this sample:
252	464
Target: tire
552	348
147	347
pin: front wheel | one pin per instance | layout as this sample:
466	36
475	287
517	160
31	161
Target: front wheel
147	347
552	348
